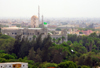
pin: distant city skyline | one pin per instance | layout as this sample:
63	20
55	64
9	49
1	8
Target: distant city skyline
50	8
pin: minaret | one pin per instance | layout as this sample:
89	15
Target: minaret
38	14
42	22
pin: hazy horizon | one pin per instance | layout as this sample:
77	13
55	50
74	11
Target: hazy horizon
50	8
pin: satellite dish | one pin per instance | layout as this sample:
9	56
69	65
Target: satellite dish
72	50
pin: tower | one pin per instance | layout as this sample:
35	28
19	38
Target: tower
38	14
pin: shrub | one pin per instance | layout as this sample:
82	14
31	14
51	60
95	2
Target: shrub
85	66
3	60
47	65
2	51
31	66
8	56
67	64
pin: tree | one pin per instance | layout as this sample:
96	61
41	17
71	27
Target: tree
69	42
88	61
18	25
95	61
94	47
84	66
98	44
17	45
93	35
34	37
87	46
38	57
79	48
81	60
24	49
0	30
58	29
47	65
80	32
41	26
45	49
60	52
81	41
8	56
54	40
31	55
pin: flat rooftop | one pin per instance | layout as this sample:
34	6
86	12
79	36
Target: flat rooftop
12	62
20	28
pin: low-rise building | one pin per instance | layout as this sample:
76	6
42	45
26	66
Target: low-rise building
14	65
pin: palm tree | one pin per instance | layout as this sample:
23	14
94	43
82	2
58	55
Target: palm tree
87	46
98	44
91	42
94	47
59	39
54	40
34	37
63	38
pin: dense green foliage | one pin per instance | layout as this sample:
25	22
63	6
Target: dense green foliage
45	65
77	52
67	64
6	43
58	29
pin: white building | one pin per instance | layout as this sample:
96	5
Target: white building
14	65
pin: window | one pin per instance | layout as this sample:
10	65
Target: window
38	33
42	33
9	65
24	33
5	66
30	38
27	33
23	36
14	66
15	33
23	65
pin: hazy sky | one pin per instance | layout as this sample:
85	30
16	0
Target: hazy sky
50	8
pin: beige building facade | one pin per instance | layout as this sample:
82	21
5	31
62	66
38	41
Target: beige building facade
30	32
